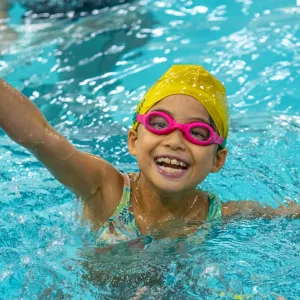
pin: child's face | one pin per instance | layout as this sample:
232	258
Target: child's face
198	161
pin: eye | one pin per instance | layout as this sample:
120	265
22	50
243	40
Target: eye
158	122
200	133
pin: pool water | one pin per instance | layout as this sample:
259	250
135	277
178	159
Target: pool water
86	76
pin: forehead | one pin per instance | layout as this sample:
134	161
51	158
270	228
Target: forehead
182	107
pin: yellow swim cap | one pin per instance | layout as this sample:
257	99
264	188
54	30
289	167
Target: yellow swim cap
195	81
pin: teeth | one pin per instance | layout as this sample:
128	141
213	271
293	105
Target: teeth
172	161
172	170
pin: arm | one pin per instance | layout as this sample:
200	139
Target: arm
252	209
89	177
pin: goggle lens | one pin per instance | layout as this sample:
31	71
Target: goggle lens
157	122
199	133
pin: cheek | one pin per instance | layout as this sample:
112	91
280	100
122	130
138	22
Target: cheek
147	140
205	157
145	144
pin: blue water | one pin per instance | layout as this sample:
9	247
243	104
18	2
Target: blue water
86	76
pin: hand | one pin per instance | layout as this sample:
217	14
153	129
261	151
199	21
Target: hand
289	209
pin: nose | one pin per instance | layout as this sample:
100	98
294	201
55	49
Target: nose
175	140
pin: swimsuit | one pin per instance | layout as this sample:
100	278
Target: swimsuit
121	226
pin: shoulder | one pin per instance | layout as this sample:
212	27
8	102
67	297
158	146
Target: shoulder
133	177
105	195
215	207
211	205
232	208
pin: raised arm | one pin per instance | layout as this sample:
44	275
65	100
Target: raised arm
91	178
252	209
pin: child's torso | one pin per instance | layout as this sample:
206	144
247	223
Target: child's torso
122	226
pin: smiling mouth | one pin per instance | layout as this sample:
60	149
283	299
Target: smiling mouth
171	165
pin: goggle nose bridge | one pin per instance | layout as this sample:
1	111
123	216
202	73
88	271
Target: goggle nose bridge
177	127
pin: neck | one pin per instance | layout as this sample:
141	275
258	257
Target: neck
156	206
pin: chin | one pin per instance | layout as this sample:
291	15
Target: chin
170	187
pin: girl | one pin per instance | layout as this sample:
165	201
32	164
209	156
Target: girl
178	137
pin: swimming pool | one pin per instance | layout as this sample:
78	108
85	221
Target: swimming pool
86	75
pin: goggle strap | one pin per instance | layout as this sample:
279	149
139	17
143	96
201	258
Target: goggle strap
134	117
224	143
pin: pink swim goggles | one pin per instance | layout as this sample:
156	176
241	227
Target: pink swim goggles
196	132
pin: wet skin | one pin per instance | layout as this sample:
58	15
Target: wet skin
156	196
161	195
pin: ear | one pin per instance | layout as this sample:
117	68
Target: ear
132	138
219	160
